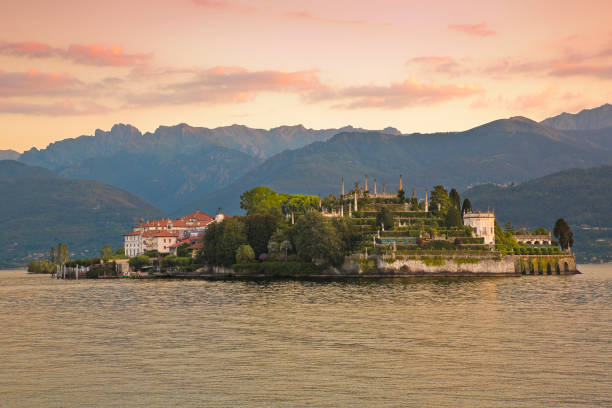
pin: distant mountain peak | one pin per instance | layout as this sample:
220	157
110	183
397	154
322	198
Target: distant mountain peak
586	119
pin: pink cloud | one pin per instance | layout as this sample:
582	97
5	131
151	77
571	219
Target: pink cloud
564	69
27	49
33	83
308	16
94	54
439	64
224	84
224	5
212	3
480	30
397	95
101	55
534	101
64	108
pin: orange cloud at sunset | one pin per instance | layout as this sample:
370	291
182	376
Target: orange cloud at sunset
95	54
480	30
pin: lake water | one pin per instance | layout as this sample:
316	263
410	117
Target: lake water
537	341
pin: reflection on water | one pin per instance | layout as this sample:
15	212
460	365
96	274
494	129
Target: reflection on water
505	342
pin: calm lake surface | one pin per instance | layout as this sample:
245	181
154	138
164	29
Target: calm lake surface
540	341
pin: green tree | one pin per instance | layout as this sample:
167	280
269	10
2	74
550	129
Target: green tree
453	218
222	240
508	227
454	198
245	254
182	251
316	240
62	254
52	255
439	195
401	196
385	217
285	246
298	204
259	229
106	252
540	231
504	239
261	200
466	207
564	234
137	262
330	203
348	232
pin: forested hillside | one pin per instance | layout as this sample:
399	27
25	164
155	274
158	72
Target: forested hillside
39	209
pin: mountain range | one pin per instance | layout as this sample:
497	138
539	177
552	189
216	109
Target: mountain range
175	164
500	152
39	209
182	168
587	119
9	155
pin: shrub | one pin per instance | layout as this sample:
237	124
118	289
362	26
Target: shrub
245	254
458	241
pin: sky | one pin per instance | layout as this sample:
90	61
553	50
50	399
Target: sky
68	68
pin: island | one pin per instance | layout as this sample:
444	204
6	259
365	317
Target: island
359	233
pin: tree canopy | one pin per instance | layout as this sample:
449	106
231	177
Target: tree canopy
564	234
316	240
439	195
384	217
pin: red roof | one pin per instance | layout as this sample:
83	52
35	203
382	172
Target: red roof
132	233
198	216
160	233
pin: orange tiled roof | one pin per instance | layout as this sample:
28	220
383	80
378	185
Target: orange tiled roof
160	233
198	216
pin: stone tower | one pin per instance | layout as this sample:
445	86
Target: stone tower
426	203
365	187
342	193
374	187
355	201
401	188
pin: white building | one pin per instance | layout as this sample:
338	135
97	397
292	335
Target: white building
133	244
483	225
162	235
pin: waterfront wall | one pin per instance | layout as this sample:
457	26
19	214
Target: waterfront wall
378	266
564	264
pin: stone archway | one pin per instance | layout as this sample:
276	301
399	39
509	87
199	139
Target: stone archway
557	269
540	270
548	269
531	268
565	267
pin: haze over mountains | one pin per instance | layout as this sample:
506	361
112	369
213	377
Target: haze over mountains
175	164
503	151
40	209
181	168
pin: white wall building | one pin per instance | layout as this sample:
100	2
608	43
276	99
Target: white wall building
483	224
133	244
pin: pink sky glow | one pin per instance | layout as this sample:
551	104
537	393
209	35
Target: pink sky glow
67	68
